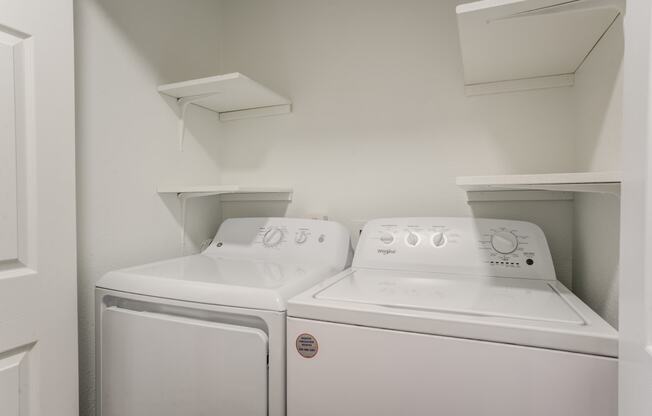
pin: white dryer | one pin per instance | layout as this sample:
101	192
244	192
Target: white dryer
449	316
205	334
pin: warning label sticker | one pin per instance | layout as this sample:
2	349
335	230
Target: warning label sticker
307	345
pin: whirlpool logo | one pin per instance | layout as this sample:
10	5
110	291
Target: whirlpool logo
386	251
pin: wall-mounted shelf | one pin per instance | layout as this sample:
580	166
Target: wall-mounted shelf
233	96
228	193
512	45
560	183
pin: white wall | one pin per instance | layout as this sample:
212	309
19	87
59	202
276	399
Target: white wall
598	96
126	139
381	125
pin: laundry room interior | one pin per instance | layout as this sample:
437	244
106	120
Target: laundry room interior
378	121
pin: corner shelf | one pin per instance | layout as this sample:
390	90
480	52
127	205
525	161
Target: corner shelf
233	96
228	193
513	45
560	183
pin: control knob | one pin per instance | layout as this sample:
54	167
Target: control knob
273	237
387	238
504	242
412	239
439	239
301	238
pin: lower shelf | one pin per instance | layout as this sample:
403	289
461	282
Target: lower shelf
228	192
596	182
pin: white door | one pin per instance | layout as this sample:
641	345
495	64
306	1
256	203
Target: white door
635	325
38	318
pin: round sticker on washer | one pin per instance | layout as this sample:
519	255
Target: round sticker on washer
307	345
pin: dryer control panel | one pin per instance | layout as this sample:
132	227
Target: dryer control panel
472	246
294	240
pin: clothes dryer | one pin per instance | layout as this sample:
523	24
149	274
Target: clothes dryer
205	334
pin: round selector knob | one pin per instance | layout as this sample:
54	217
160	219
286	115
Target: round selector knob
301	238
439	239
387	238
412	239
273	237
504	242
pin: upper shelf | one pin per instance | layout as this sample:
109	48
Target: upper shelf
231	95
510	45
599	182
231	192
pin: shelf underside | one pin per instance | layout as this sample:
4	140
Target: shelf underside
526	44
229	193
593	182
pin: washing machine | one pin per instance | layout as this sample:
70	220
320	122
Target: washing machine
205	334
449	316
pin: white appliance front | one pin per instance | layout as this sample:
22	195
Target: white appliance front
162	355
167	365
370	371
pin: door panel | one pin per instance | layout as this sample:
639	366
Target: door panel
14	377
166	365
8	208
38	322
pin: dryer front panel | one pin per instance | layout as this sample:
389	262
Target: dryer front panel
166	365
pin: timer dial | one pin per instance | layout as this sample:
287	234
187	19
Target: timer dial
504	242
273	237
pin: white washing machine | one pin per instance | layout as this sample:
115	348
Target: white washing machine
449	316
205	334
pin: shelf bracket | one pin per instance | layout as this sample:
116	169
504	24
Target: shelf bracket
183	105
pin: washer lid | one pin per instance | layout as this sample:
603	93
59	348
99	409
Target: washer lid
256	284
536	313
490	296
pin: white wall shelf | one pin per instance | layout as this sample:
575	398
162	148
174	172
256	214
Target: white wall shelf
228	193
226	93
233	96
559	183
513	45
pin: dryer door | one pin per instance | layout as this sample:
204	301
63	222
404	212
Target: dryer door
165	365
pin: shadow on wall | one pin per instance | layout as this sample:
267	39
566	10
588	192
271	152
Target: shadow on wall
597	253
141	21
598	95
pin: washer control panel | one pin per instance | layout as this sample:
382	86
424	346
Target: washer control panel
475	246
286	239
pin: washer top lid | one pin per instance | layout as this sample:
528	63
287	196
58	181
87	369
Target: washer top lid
530	312
203	278
536	300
